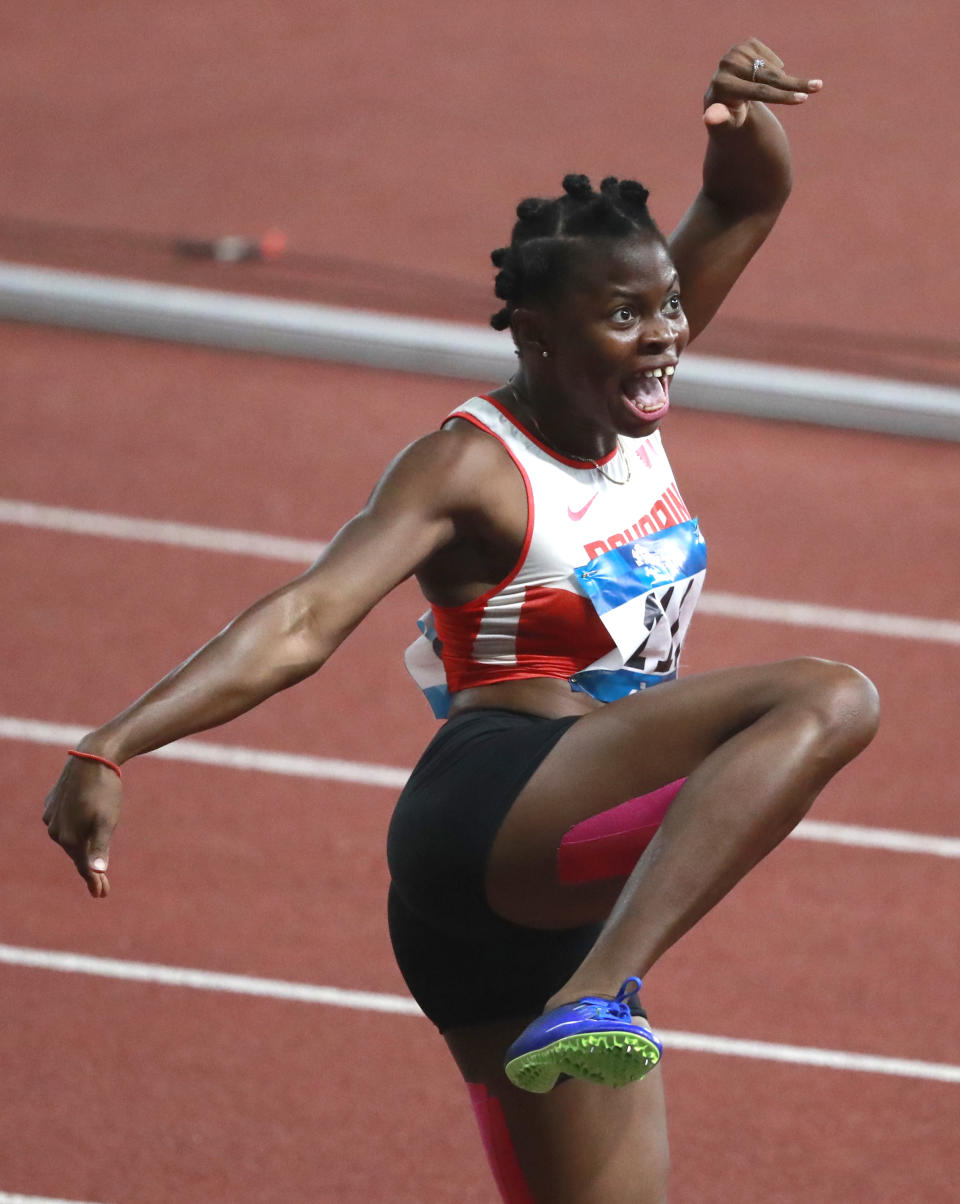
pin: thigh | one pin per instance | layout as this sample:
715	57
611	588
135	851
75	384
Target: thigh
578	1144
627	748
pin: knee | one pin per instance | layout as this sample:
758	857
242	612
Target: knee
843	701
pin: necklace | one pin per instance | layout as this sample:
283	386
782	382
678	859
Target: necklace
522	401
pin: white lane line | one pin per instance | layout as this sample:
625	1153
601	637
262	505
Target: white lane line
9	1198
803	1055
36	731
205	980
302	552
200	752
893	839
145	530
809	614
242	984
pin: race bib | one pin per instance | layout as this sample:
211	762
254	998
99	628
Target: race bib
644	593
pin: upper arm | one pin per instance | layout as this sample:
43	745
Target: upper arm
413	512
710	249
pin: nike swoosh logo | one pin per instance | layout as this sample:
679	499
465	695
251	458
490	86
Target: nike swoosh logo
576	515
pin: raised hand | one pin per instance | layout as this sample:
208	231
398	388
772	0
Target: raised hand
81	812
751	71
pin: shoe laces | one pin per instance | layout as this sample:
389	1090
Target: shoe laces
617	1008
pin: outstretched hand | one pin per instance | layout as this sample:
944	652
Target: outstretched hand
738	81
81	812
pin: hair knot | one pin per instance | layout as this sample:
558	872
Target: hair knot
577	186
534	263
532	209
633	192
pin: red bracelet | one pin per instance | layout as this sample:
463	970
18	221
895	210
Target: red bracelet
73	752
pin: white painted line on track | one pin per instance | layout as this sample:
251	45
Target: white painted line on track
302	552
803	1055
200	752
145	530
895	840
455	349
206	980
809	614
242	984
10	1198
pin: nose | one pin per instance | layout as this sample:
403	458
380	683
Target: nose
662	331
658	333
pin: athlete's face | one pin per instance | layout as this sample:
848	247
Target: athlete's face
614	334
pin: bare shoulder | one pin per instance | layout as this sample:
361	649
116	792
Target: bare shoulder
460	485
453	469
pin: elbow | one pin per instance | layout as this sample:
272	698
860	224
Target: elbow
282	638
308	640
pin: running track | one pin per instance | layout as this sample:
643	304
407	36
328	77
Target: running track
136	1091
143	1088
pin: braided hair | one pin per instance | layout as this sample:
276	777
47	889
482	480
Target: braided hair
540	243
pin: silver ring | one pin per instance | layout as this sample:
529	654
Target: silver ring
757	64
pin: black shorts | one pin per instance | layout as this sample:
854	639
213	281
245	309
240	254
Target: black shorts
463	963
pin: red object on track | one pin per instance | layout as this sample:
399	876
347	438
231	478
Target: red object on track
273	243
233	248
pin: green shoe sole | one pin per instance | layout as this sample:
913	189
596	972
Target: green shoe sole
613	1059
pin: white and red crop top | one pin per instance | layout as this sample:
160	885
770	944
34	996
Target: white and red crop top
604	587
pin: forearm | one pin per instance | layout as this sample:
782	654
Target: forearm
747	170
272	645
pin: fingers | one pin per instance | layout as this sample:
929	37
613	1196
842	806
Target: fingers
93	870
97	857
98	846
764	52
98	885
752	71
81	813
776	80
794	92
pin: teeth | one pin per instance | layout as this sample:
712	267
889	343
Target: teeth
658	372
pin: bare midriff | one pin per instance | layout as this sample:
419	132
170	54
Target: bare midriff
550	697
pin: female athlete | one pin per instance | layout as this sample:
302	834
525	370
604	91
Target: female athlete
581	808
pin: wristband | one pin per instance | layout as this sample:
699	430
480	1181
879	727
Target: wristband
85	756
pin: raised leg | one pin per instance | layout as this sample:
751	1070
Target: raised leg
756	746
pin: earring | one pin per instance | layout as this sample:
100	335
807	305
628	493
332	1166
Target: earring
544	354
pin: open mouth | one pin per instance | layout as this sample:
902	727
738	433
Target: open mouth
648	393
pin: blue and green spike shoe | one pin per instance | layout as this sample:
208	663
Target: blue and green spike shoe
592	1038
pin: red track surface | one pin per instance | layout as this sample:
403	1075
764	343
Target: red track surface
148	1094
138	1094
401	135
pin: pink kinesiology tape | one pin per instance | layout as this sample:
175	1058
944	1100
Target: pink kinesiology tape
498	1146
609	845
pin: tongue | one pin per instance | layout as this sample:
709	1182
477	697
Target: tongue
646	392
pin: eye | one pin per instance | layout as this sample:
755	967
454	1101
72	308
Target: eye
624	314
673	304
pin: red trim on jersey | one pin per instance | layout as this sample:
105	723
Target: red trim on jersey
457	629
556	618
546	618
554	455
528	534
